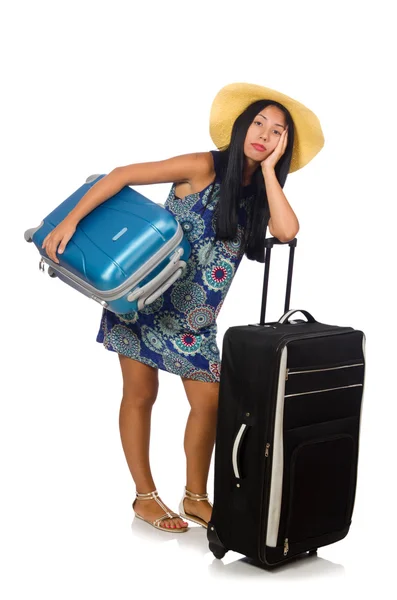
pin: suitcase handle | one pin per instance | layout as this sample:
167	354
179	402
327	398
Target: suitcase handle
154	283
269	243
285	317
236	448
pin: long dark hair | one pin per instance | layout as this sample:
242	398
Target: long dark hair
231	166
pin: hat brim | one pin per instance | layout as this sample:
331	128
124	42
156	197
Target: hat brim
234	98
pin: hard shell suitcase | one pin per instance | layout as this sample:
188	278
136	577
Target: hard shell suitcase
287	438
124	254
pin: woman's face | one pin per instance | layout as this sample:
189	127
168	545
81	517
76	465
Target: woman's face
265	130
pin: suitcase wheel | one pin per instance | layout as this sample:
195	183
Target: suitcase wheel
91	178
312	551
215	544
217	551
51	272
30	232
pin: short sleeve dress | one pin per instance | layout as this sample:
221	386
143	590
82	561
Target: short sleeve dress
177	332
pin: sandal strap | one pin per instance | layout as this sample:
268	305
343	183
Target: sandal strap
148	496
172	516
155	496
192	496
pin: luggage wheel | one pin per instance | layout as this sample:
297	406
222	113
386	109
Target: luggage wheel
91	178
312	551
51	272
215	544
217	551
30	232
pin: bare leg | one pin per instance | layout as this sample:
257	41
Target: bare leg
199	441
140	387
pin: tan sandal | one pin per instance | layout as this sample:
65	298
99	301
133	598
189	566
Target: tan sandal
167	515
194	518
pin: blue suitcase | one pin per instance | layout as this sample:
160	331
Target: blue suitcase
124	254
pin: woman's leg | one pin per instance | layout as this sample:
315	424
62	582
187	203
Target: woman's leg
140	387
199	441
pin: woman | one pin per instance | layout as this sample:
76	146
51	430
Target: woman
224	201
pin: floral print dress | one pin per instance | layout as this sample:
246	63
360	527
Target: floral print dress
177	332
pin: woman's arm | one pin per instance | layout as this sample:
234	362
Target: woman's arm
283	223
177	169
180	168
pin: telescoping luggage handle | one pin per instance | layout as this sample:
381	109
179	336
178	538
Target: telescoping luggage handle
269	243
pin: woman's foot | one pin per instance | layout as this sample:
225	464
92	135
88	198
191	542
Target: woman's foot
150	510
201	509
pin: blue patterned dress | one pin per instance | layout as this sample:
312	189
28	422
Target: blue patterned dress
177	332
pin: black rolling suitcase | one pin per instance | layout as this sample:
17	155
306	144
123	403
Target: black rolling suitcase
287	439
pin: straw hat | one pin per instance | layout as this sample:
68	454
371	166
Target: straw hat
234	98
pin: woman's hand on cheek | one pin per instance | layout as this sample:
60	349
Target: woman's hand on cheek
274	157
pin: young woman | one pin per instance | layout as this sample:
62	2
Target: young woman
224	199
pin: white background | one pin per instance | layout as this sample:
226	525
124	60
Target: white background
88	86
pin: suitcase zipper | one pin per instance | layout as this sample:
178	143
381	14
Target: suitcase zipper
342	387
289	337
286	547
289	372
